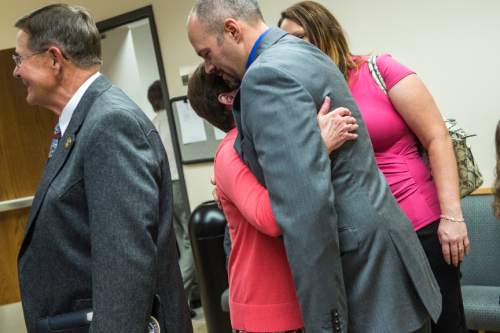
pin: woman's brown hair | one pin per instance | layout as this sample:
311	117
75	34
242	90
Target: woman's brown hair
203	92
323	30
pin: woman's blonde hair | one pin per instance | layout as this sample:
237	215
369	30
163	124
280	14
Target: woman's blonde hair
323	30
496	201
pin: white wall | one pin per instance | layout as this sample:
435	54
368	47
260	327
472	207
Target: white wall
146	62
126	62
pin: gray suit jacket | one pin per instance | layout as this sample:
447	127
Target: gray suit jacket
100	232
356	261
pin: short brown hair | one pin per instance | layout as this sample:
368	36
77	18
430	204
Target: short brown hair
155	96
496	202
323	31
203	93
70	28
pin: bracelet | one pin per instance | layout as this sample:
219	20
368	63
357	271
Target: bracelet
451	219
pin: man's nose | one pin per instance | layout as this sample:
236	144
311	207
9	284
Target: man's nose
209	67
15	72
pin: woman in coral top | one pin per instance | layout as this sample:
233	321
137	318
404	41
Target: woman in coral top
262	295
398	120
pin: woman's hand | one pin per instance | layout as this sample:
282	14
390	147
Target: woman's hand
454	240
337	126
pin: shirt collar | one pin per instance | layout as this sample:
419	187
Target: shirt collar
70	107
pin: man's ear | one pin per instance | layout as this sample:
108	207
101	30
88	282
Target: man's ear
226	98
233	29
57	56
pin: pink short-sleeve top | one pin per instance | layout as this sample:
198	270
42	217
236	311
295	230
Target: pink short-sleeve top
396	146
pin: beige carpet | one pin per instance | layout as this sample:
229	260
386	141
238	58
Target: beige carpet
199	325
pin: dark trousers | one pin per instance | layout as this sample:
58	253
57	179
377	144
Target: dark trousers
452	319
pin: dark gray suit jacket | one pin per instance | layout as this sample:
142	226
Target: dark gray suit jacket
356	261
100	232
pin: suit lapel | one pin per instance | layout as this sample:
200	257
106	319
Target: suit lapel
68	140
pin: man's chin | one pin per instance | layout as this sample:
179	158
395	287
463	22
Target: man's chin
232	82
30	99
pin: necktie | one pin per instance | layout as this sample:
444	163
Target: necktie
55	140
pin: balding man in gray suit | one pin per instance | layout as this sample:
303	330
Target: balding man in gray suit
356	262
99	250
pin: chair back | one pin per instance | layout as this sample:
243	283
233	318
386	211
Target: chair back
482	266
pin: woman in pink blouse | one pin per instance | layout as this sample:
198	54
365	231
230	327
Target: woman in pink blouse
262	295
399	119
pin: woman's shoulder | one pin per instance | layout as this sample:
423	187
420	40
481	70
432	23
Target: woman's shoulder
226	155
385	59
391	69
227	141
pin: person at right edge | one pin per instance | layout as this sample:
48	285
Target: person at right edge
356	262
398	122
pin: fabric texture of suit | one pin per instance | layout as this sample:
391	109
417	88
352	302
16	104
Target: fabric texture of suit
99	234
356	261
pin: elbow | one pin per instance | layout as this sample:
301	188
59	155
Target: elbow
274	231
268	226
438	141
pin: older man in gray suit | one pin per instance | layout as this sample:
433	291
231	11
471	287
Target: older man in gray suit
356	262
99	252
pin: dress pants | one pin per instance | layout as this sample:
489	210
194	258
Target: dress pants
452	319
180	224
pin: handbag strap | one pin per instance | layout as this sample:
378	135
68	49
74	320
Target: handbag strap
374	71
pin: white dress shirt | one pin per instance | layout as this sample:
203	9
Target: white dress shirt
70	107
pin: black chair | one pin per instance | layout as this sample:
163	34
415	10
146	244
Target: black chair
481	268
206	229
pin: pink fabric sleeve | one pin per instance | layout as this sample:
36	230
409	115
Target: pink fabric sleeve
239	185
391	70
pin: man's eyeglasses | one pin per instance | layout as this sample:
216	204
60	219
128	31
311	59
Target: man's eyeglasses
18	59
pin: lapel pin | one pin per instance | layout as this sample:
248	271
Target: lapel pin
68	143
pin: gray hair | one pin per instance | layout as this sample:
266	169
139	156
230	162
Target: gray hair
71	28
213	12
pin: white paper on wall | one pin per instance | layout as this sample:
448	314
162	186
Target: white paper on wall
192	128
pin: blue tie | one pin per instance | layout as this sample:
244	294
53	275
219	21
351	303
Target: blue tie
55	140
